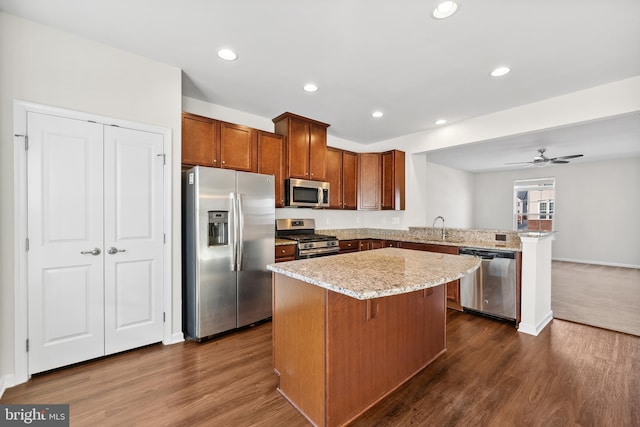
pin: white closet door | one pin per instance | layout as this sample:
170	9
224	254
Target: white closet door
133	210
65	223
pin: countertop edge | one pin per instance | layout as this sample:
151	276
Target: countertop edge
371	294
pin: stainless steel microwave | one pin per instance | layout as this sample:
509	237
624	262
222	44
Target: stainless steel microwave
305	193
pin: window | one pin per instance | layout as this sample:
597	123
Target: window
534	204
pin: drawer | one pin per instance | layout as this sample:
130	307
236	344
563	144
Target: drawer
285	253
349	245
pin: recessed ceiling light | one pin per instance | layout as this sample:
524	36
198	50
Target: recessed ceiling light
444	9
377	114
310	87
500	71
440	121
227	54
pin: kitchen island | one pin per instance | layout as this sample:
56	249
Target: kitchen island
349	329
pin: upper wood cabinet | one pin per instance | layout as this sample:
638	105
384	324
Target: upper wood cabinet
393	180
209	142
238	148
306	146
369	180
199	141
271	161
381	182
342	171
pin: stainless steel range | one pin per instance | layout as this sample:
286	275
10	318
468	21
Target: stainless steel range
310	244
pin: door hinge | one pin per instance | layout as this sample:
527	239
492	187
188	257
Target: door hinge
26	244
27	345
164	317
164	158
164	238
26	140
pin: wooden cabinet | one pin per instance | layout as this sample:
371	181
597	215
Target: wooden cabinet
381	180
369	180
453	287
347	246
336	356
392	244
306	146
369	244
209	142
393	180
238	148
349	180
285	253
199	141
271	161
342	175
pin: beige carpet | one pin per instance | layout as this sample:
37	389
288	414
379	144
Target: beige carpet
606	297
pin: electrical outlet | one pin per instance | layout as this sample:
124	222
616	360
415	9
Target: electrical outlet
501	237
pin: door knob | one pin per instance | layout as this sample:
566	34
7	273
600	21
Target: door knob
113	251
94	252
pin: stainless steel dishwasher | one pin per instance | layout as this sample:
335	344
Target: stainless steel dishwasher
491	289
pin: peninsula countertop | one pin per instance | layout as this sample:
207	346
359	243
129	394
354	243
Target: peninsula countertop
378	273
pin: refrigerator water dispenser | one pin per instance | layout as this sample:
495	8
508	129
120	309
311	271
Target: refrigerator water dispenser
218	228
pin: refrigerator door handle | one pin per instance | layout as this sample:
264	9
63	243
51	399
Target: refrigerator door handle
241	232
234	244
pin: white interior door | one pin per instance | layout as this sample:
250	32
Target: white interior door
65	223
133	209
96	243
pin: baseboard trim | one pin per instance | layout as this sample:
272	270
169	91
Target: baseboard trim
531	329
6	381
175	339
608	264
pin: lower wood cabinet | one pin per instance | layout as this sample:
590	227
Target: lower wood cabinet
285	253
336	356
453	288
347	246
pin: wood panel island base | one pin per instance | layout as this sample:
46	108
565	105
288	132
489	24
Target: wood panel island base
349	329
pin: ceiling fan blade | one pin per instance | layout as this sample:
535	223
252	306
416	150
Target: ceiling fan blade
555	162
568	157
519	163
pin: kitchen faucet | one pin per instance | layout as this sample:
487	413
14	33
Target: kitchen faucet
444	235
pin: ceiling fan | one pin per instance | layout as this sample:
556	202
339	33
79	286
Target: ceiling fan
541	160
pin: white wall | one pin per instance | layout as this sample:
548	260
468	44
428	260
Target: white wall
449	193
597	205
42	65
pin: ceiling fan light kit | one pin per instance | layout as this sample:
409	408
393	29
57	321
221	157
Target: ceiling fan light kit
542	161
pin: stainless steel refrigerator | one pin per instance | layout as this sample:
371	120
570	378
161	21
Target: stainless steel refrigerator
228	239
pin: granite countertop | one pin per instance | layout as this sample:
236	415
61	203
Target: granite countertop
282	242
484	239
378	273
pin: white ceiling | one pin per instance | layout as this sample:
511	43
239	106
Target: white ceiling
372	54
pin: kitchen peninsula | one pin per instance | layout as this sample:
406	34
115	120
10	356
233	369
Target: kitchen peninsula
349	329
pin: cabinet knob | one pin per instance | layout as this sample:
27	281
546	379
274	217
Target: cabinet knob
223	162
215	161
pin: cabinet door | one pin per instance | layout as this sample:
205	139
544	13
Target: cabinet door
199	141
369	181
349	180
317	152
271	161
393	180
347	246
298	155
237	147
334	177
285	253
376	244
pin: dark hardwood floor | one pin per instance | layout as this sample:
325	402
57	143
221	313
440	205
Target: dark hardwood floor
491	375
